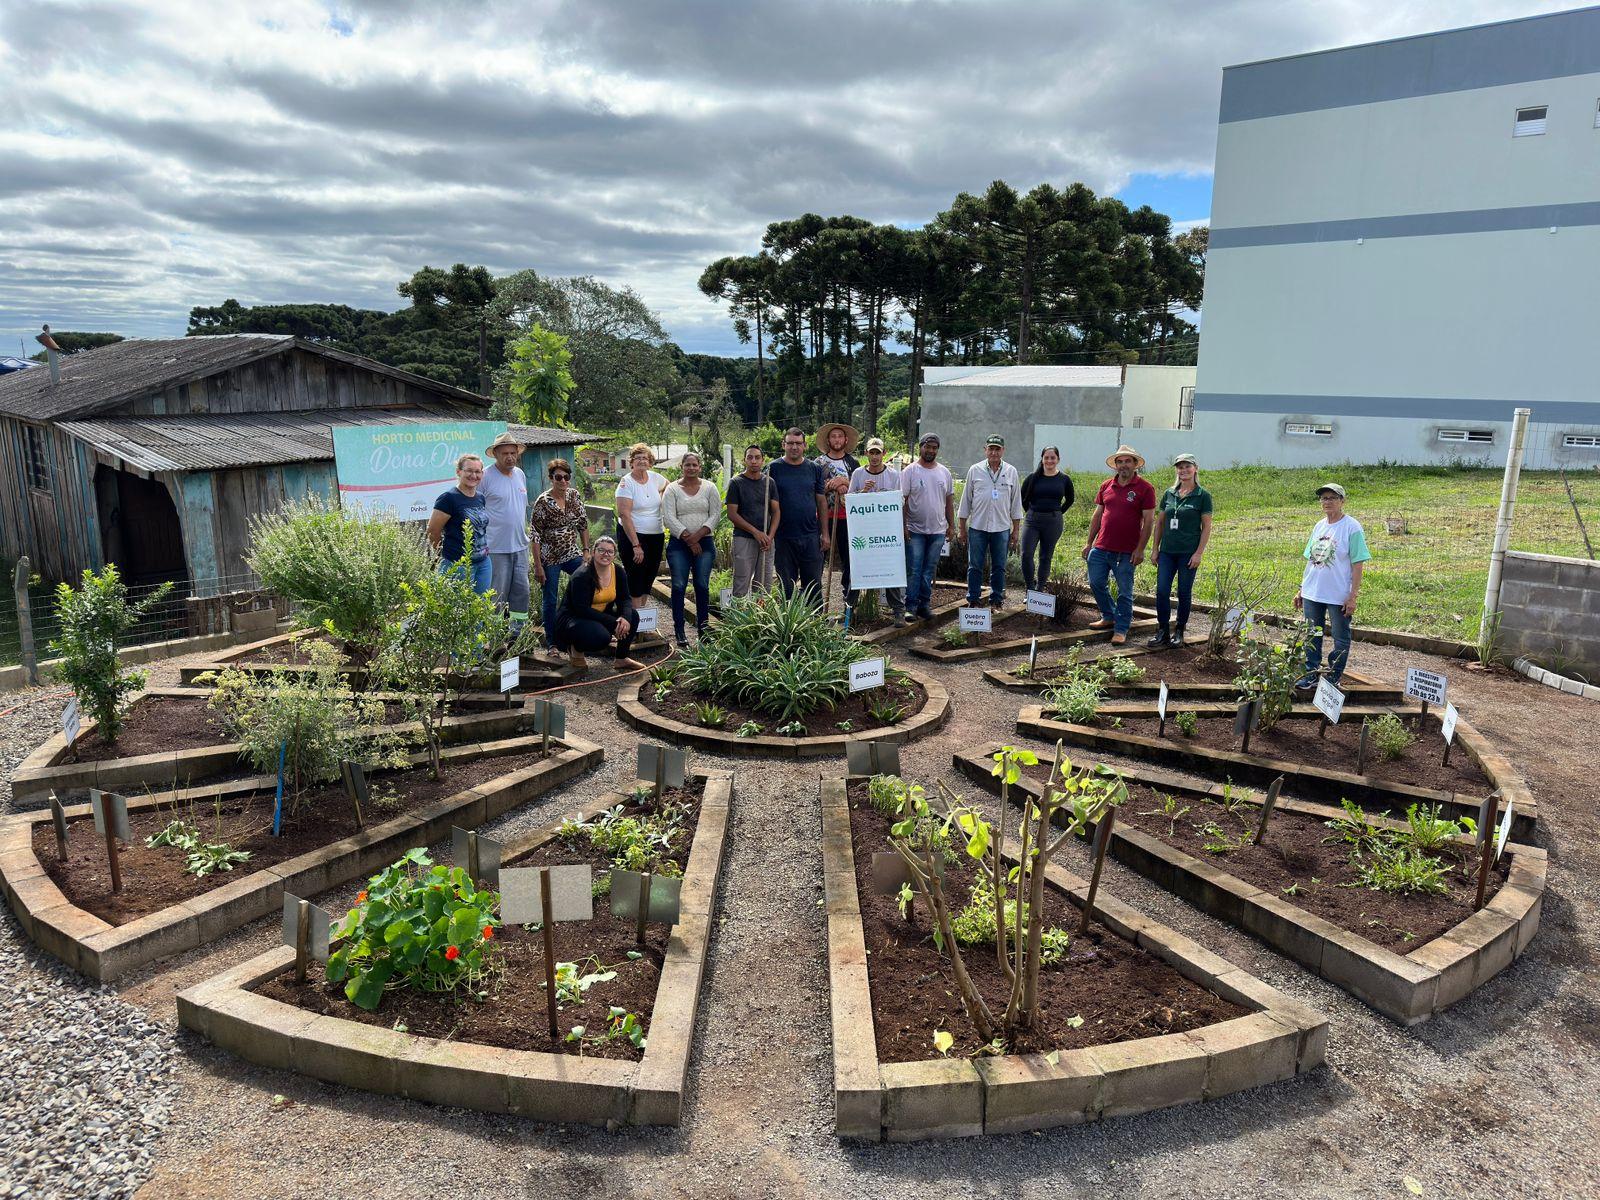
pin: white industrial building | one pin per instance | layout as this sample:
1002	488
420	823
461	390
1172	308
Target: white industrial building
1405	246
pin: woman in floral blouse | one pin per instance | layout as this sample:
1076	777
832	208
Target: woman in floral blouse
560	535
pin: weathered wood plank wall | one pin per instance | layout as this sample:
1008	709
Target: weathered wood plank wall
57	529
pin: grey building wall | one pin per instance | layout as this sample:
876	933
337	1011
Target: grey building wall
965	415
1550	612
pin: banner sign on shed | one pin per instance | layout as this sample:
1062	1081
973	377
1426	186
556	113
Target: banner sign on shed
401	469
877	539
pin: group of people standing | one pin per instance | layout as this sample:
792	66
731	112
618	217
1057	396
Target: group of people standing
790	524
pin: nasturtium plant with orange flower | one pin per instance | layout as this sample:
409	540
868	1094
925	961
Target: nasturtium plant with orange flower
418	925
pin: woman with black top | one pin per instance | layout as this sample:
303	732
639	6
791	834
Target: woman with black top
1046	494
597	610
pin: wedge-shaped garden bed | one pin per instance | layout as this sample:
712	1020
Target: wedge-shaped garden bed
923	702
67	906
496	1055
1014	631
1190	674
1316	765
1137	1017
1407	954
171	739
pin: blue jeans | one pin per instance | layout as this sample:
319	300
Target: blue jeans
681	560
1331	617
922	556
479	572
1168	568
982	543
1108	564
551	588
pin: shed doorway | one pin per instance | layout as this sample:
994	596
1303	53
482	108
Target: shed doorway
139	527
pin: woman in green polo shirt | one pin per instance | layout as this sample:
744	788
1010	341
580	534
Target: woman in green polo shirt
1183	527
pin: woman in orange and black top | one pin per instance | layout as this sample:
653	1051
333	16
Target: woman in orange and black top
597	610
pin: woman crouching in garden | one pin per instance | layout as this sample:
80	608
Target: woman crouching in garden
597	611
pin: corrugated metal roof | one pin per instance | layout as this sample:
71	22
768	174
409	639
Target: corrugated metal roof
219	441
1037	377
96	381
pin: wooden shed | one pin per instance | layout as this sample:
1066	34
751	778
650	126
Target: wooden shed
155	454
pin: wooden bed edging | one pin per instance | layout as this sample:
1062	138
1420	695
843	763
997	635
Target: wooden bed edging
931	716
1010	1093
1305	777
1405	988
1143	623
1359	689
102	951
540	1085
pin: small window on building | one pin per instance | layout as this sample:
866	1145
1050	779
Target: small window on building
1580	441
38	459
1466	435
1301	429
1530	121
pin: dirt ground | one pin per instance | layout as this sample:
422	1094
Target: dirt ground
1500	1095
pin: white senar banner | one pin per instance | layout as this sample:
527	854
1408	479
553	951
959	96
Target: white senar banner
877	539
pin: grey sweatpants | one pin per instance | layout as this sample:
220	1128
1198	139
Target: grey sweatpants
510	582
752	567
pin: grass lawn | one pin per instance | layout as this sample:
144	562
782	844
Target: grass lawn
1427	580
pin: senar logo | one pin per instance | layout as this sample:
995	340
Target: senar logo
858	543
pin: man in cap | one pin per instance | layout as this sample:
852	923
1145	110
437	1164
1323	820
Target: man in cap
837	442
929	493
505	493
879	476
1119	531
991	505
1335	554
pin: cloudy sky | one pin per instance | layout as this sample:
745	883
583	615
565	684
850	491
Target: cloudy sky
166	154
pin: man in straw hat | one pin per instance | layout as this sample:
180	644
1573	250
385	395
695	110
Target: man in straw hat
837	442
1119	531
505	493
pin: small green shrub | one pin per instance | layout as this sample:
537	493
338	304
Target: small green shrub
93	616
1187	723
1427	830
200	858
1403	869
1126	671
1390	735
710	715
885	711
1078	694
749	729
953	635
1268	671
643	841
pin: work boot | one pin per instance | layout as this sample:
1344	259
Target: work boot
1118	639
1177	636
1158	639
577	661
1102	623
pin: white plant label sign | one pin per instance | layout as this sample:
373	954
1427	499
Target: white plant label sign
725	600
1329	700
1041	604
1448	725
647	619
1505	832
70	721
1234	620
510	673
976	620
1427	686
1161	701
868	673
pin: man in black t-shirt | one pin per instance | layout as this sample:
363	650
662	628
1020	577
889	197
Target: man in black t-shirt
802	534
753	511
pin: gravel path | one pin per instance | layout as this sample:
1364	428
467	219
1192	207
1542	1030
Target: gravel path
1496	1096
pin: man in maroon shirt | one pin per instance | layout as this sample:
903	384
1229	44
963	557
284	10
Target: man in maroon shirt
1124	513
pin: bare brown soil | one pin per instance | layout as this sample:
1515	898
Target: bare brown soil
1119	991
1009	625
1295	739
154	725
154	878
511	1010
1308	865
822	722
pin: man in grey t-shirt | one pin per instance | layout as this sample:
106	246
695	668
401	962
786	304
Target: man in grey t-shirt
753	511
505	493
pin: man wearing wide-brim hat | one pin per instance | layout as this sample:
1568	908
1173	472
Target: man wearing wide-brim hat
505	494
837	442
1119	531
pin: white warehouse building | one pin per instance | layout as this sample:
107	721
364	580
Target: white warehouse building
1405	246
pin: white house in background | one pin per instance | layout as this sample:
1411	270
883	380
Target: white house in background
1405	246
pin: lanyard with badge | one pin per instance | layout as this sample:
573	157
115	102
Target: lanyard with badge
994	482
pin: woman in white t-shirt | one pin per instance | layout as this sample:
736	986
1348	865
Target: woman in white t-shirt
1335	554
639	526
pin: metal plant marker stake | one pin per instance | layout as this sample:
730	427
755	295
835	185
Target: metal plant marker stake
58	818
1361	751
1102	842
644	905
1268	803
302	939
1486	848
548	918
111	854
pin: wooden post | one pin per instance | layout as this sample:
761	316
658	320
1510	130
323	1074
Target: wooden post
302	939
58	818
1322	730
1249	723
1486	849
644	906
30	658
1424	718
111	854
1102	844
661	770
1361	751
1161	725
549	949
1268	803
544	746
472	857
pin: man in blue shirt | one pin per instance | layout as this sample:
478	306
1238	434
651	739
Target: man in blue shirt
802	535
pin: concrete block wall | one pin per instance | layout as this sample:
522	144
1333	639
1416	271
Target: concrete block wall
1550	612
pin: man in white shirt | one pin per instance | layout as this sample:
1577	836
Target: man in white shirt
1336	555
991	504
505	492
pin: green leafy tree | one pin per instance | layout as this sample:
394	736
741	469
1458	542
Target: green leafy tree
93	616
537	377
463	294
75	343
